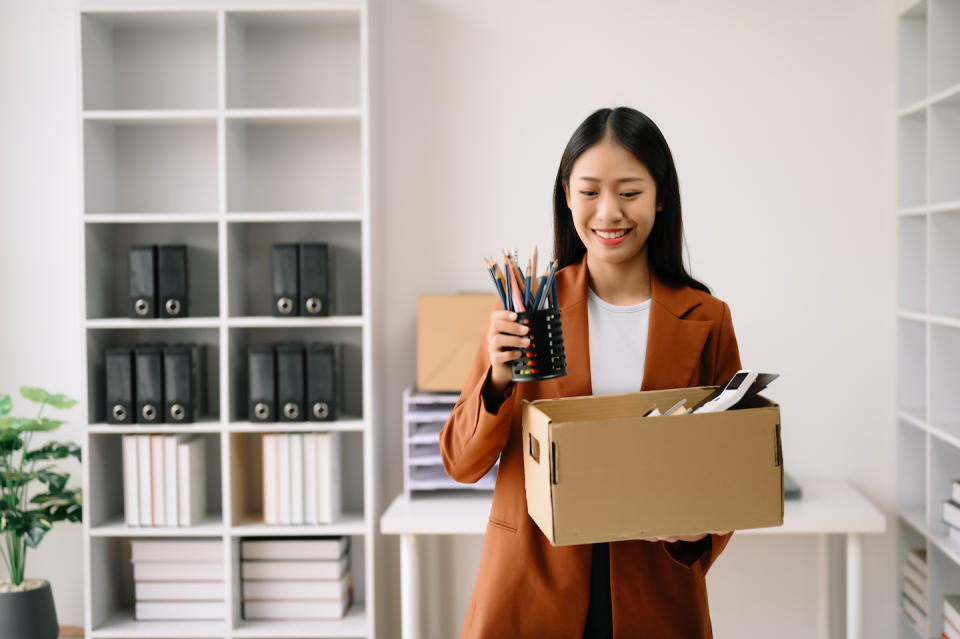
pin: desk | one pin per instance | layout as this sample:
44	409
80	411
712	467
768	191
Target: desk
828	507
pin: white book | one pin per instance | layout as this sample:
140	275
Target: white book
295	609
956	490
143	480
283	463
198	550
178	571
191	481
917	557
910	573
949	629
954	536
179	610
287	570
131	507
296	478
310	479
915	595
170	477
321	548
914	614
951	609
316	589
328	471
271	491
178	591
951	513
157	480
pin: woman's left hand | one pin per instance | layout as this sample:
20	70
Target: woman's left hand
689	537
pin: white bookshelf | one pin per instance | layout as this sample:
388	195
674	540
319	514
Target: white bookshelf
928	292
227	126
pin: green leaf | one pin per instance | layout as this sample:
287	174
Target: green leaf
37	525
25	424
34	394
53	450
14	478
9	442
56	481
6	405
61	401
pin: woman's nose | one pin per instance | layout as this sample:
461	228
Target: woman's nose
608	207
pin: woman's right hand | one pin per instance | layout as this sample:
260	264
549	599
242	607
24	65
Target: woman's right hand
504	337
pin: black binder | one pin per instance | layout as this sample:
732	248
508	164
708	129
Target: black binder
262	384
322	381
148	376
284	260
184	377
290	382
172	280
143	282
315	279
119	382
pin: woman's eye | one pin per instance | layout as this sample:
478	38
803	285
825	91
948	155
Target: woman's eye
588	192
631	194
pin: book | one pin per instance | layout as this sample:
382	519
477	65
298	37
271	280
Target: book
310	479
179	610
311	589
917	557
296	478
178	571
951	609
328	477
283	465
171	477
915	595
949	630
157	480
918	580
145	496
131	507
287	570
318	609
951	513
271	491
200	551
956	490
178	591
318	548
954	535
914	614
191	481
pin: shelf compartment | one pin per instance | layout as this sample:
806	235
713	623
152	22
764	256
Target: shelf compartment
353	625
945	150
150	166
944	579
944	468
293	59
907	539
249	245
944	45
944	379
912	164
246	472
293	166
149	60
912	367
912	71
107	256
912	263
912	467
106	481
98	340
945	264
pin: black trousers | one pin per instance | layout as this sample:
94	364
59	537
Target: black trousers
599	623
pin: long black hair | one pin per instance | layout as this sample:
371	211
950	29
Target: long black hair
638	134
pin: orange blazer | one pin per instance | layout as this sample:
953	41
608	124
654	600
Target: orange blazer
525	587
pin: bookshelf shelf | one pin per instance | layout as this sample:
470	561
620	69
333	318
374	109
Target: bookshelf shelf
228	126
928	313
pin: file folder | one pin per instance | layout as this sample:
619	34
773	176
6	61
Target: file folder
148	376
119	383
284	261
262	384
290	381
184	388
315	279
322	381
172	280
143	281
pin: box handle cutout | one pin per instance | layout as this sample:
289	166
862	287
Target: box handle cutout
778	453
534	448
553	463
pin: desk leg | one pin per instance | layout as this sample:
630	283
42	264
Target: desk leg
854	586
409	588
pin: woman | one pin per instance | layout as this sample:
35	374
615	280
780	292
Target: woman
633	319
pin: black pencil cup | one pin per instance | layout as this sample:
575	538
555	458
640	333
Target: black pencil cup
545	357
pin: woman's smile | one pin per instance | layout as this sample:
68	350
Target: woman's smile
611	236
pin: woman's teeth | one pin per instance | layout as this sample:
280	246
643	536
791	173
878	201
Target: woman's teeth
612	236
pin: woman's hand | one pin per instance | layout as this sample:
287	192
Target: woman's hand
505	333
672	539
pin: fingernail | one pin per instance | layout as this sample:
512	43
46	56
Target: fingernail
513	316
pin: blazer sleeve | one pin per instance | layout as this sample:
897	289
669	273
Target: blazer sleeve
473	436
705	551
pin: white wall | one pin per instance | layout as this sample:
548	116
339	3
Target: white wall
780	117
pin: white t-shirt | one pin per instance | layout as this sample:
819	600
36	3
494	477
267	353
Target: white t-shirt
618	344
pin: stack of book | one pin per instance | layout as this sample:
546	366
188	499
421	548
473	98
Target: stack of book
951	617
951	513
164	480
914	597
178	579
307	578
301	478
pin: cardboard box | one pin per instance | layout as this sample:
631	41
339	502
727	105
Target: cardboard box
448	333
596	470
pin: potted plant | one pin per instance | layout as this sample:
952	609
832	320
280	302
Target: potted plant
33	496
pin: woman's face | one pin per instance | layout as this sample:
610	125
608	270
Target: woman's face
613	198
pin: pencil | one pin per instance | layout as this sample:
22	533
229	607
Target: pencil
506	267
518	302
